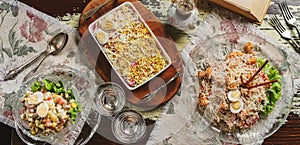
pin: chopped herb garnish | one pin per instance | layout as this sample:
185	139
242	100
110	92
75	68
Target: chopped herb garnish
49	85
70	93
36	86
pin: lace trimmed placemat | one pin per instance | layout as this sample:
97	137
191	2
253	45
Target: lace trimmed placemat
172	128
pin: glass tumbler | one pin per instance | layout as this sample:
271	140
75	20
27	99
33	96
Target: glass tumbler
109	99
128	126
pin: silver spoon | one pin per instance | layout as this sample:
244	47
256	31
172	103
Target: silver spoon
91	12
56	44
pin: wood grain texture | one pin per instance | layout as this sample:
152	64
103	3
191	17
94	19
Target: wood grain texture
57	7
105	70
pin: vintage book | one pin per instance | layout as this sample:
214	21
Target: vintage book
255	10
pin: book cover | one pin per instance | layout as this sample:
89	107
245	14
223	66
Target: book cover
255	10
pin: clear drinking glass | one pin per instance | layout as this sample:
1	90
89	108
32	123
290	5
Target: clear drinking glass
109	99
128	126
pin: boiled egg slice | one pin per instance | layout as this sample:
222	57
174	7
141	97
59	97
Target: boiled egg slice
108	25
35	98
237	106
42	109
102	37
234	95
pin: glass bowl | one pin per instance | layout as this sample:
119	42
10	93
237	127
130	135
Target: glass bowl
214	106
81	87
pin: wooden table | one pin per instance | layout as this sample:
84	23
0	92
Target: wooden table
287	134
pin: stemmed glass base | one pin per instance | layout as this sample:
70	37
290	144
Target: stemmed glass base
109	99
128	126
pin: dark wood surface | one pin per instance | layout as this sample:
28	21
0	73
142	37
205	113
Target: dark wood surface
289	133
105	70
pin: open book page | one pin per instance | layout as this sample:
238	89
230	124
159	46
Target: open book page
246	5
260	8
253	9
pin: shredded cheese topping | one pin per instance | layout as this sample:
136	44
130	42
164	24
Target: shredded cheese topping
131	48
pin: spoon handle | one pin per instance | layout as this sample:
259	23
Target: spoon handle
12	73
91	12
151	94
34	70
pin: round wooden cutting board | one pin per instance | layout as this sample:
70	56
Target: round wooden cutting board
104	69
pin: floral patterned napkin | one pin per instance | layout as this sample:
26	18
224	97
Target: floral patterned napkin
25	33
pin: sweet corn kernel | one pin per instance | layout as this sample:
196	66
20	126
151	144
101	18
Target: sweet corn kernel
74	105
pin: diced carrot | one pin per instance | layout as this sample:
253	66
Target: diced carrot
48	122
263	76
61	102
58	99
49	98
